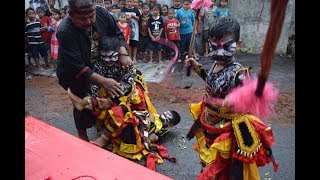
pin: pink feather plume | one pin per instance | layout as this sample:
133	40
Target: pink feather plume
242	99
197	4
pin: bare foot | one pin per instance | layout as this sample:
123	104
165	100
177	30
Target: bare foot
100	142
109	147
153	137
160	62
49	65
30	66
79	103
150	61
40	68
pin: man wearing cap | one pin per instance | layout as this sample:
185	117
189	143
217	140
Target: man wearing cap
74	69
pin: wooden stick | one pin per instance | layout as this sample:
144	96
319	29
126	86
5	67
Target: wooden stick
191	45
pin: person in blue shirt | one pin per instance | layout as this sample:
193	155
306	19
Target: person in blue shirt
186	17
222	9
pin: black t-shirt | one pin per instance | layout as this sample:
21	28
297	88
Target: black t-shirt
155	25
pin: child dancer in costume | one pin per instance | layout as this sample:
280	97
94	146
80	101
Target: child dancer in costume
232	142
129	123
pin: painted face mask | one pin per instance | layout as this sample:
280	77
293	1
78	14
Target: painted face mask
166	118
109	57
223	51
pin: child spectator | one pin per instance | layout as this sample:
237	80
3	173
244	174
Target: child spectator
155	28
116	9
222	9
122	4
45	22
34	4
26	46
144	34
63	13
164	15
171	29
124	26
51	4
135	3
108	7
134	16
164	12
32	30
140	4
100	3
54	41
186	17
207	16
152	3
176	5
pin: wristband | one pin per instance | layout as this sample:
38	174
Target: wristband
198	68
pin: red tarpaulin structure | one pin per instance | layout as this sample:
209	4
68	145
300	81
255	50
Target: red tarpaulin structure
52	154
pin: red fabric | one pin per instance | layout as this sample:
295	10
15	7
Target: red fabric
212	129
46	35
151	161
219	169
82	71
118	113
266	137
171	29
142	105
126	32
54	41
164	153
152	158
223	136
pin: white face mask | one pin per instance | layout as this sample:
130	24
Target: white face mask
223	50
166	116
108	56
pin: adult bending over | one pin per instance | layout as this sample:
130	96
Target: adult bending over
74	69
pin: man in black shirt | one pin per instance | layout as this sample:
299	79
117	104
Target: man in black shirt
74	69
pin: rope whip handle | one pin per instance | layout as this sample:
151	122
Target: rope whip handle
192	41
277	13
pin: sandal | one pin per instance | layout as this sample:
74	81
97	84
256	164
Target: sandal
49	65
40	68
30	66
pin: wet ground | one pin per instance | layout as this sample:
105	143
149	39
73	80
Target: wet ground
46	100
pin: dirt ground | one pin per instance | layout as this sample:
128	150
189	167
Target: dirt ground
161	93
